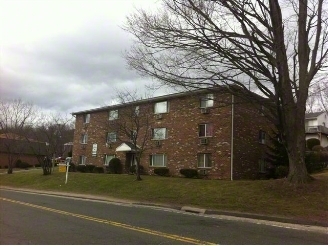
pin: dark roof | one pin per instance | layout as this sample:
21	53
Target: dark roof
313	115
14	146
217	89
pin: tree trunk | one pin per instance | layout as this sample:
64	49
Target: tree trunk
10	169
296	143
138	178
297	169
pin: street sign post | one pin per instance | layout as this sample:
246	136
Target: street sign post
64	168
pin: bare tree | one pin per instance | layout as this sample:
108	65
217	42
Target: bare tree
274	48
133	125
15	117
322	90
55	130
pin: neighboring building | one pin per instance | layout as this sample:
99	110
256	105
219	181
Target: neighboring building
14	147
316	126
67	149
211	131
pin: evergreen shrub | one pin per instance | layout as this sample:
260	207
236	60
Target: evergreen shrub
114	166
98	170
281	172
162	171
189	172
310	143
132	169
89	168
81	168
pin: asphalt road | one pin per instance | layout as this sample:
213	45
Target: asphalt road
41	219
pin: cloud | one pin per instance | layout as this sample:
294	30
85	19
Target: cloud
66	57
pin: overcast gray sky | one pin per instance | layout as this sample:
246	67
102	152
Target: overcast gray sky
66	56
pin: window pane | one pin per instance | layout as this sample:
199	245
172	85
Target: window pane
161	107
262	165
113	114
137	110
207	101
202	130
159	160
204	160
159	133
82	159
86	118
210	101
209	130
111	137
207	158
203	103
200	160
84	138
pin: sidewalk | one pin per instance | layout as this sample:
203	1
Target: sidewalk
208	212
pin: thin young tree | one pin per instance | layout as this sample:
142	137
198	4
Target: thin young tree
134	123
274	48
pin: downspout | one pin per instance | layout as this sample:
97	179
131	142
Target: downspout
232	130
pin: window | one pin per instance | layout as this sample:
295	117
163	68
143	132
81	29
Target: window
82	160
203	160
261	110
161	107
262	166
113	114
158	160
136	110
205	130
207	101
86	118
159	133
262	137
107	159
133	135
111	137
84	138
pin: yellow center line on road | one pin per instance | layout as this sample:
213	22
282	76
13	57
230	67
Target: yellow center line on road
113	223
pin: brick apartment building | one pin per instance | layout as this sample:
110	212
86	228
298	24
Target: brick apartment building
211	131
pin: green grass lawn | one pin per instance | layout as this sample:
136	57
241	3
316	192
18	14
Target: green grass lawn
270	197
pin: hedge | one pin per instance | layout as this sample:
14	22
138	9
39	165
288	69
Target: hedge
189	173
162	171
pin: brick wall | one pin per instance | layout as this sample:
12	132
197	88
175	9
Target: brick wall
30	159
183	144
